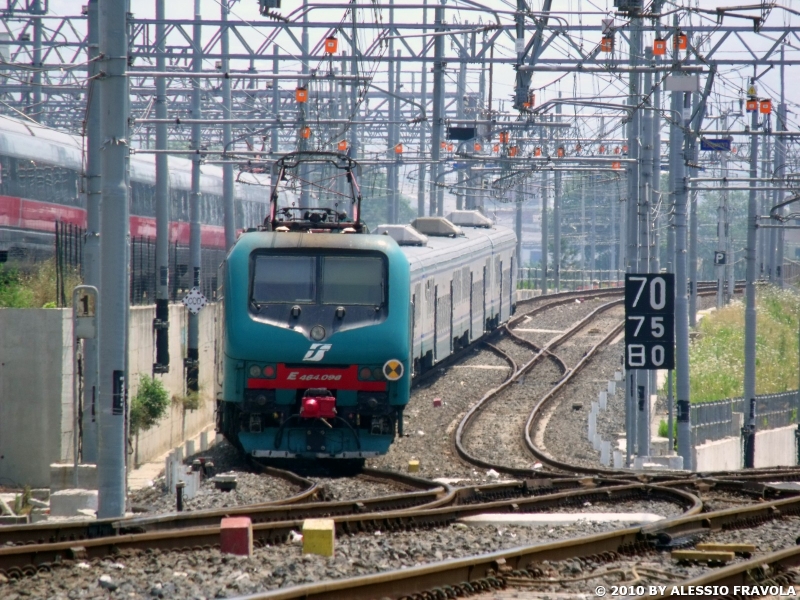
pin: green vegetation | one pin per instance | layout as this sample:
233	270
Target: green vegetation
663	429
149	404
35	289
717	357
190	401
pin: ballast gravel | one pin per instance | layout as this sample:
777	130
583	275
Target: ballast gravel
255	488
204	574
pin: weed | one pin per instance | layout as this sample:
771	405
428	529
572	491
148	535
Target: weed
149	404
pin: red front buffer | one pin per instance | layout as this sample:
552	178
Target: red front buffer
318	404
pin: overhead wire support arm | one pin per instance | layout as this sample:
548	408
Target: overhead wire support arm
532	50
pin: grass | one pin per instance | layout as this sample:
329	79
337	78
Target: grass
717	357
34	289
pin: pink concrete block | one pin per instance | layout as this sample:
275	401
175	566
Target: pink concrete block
437	402
236	536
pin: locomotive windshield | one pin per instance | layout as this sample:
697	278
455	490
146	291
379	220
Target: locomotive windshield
285	279
326	279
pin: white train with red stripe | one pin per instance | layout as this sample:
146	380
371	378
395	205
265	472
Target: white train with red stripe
42	181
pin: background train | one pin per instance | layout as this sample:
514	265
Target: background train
322	332
41	182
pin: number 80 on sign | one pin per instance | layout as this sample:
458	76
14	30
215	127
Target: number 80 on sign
649	321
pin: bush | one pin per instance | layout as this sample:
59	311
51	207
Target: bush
149	404
34	289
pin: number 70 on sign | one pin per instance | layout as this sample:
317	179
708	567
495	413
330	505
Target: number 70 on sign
649	321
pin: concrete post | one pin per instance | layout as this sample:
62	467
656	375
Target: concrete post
37	109
749	431
195	258
91	249
681	292
161	323
114	242
557	213
634	125
438	105
544	194
693	155
227	167
643	218
423	99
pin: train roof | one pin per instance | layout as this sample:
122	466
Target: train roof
442	248
65	149
254	240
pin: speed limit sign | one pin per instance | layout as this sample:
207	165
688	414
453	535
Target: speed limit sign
194	301
650	321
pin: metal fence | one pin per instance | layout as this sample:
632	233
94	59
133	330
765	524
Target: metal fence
68	257
69	260
143	271
530	278
715	420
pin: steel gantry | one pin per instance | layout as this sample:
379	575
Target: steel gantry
389	83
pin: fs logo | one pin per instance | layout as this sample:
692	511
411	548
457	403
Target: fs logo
316	352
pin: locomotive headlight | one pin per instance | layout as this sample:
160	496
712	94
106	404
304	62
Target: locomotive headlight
317	332
365	373
377	373
269	371
255	371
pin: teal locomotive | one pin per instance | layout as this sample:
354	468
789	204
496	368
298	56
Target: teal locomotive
323	324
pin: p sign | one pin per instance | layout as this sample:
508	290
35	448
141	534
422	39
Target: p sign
720	258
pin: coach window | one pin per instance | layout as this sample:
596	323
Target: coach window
284	279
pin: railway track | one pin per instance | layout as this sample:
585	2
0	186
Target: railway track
34	549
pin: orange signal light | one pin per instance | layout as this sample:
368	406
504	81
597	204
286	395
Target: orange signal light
342	145
398	149
680	41
331	45
607	44
444	145
537	151
301	95
512	151
560	152
602	149
496	148
659	47
478	147
616	165
503	137
305	132
449	147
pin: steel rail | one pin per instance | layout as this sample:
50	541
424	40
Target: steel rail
16	561
489	571
494	393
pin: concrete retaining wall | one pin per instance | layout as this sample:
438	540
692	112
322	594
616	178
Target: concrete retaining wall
35	393
774	448
719	455
177	425
36	379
